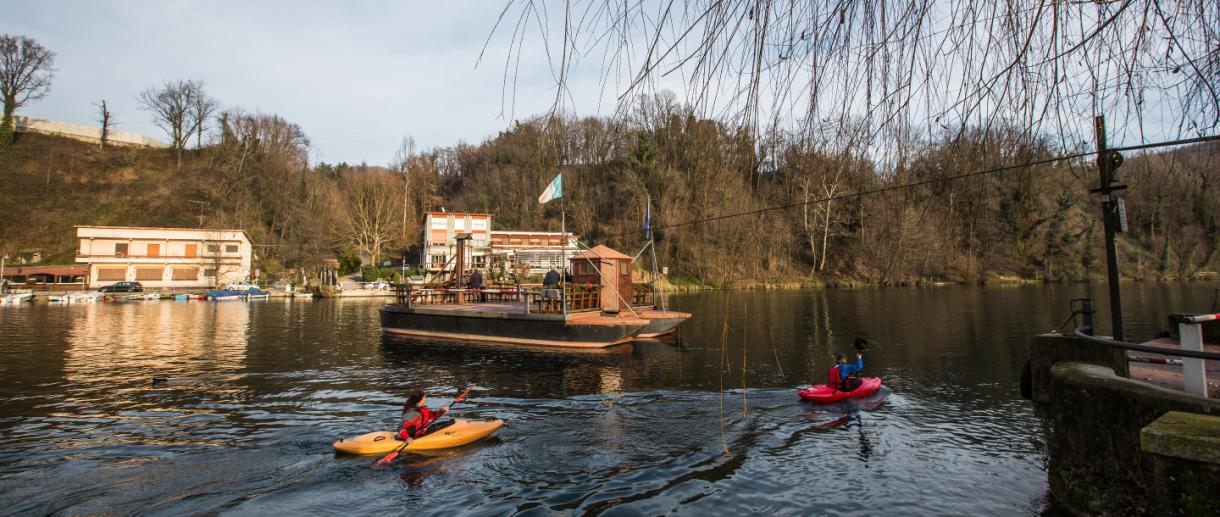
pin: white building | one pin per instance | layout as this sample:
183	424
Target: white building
539	251
440	240
164	257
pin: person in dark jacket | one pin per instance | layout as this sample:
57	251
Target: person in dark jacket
551	280
476	280
418	420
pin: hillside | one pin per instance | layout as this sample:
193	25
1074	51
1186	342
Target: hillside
1034	223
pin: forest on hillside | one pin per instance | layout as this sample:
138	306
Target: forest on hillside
1036	222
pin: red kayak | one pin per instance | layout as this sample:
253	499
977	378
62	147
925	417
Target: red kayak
824	394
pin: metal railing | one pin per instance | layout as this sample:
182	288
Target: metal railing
642	295
1194	369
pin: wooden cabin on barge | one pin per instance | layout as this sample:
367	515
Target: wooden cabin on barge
599	307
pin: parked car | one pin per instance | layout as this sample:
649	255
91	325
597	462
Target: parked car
241	286
379	284
123	287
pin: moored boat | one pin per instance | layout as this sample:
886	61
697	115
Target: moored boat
225	295
591	311
14	299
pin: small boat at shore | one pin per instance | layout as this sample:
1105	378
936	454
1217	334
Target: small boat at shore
257	294
187	297
14	299
225	295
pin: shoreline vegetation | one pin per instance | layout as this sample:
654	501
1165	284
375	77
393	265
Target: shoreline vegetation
684	285
253	171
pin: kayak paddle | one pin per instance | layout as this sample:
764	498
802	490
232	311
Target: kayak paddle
390	457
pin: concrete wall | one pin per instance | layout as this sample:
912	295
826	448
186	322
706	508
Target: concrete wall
83	133
1095	416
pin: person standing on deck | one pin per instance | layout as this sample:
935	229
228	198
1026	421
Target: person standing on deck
550	285
551	280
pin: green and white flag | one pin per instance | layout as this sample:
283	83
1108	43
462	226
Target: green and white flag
553	191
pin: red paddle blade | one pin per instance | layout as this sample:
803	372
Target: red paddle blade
387	459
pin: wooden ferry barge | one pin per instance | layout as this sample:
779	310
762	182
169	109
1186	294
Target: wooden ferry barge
600	307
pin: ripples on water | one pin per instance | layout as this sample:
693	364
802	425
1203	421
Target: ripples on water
706	424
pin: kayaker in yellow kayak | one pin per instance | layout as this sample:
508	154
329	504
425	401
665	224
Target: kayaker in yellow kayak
418	420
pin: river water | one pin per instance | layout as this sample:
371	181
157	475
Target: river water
706	423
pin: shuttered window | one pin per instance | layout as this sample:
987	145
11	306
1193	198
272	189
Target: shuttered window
149	273
186	273
111	273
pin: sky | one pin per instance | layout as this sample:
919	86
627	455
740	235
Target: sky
356	78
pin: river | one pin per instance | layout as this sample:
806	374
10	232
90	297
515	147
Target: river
706	423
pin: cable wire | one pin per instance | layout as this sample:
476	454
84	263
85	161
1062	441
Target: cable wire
920	183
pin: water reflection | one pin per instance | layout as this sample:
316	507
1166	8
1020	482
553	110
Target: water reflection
705	424
161	338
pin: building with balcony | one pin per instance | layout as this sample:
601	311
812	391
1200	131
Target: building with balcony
164	257
538	251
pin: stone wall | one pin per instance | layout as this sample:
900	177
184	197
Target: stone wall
83	133
1096	463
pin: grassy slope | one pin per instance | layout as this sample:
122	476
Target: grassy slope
49	184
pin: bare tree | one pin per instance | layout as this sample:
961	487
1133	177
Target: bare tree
202	108
26	69
180	109
402	165
908	68
371	217
104	117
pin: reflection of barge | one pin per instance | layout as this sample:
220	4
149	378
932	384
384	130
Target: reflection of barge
601	307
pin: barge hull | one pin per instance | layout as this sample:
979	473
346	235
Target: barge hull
509	328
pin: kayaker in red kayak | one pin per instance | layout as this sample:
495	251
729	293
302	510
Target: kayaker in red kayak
840	376
418	420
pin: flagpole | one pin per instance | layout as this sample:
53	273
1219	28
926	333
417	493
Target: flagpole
563	255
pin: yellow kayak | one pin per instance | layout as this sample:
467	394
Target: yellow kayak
460	433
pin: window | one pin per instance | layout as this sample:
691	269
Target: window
186	273
120	249
438	260
210	273
231	248
213	248
479	261
154	250
111	274
192	250
150	273
623	267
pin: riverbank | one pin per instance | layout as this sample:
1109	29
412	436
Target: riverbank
690	284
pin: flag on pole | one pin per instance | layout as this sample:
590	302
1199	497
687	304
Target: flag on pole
553	191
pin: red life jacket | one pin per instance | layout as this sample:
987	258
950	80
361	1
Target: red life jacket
834	379
419	425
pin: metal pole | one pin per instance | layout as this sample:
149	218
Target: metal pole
3	283
1109	212
563	255
1194	374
